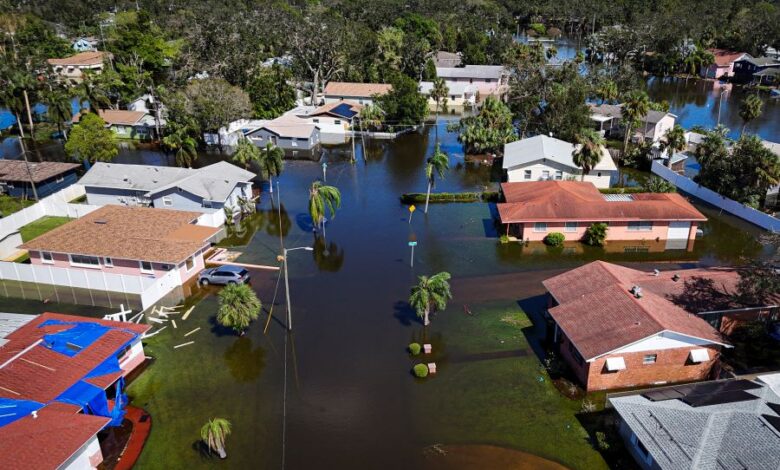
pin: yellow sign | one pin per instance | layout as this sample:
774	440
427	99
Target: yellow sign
412	208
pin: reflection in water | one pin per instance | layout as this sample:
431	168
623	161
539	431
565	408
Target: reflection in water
266	220
327	255
244	363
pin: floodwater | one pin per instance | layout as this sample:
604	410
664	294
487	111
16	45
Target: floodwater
337	392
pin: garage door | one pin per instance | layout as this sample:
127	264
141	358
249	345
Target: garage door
677	236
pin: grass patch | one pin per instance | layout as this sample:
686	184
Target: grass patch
9	205
419	198
626	190
41	226
490	387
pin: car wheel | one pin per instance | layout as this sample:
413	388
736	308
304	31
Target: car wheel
204	282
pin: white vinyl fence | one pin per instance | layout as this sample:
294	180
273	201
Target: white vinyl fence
742	211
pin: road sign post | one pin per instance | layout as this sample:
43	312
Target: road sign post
411	211
412	244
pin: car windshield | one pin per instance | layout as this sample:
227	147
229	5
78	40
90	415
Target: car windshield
243	272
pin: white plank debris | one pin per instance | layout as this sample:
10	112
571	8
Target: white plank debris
157	320
174	323
191	332
149	335
183	344
187	313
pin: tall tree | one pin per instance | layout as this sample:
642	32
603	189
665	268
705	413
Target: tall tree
489	130
317	43
58	108
439	93
214	433
404	105
323	198
214	103
271	163
430	294
246	153
271	91
179	141
238	307
589	150
607	91
636	105
749	109
437	164
90	140
672	142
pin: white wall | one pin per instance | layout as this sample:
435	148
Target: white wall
600	178
665	340
80	460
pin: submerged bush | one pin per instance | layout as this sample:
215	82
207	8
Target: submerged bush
420	370
596	234
415	348
554	239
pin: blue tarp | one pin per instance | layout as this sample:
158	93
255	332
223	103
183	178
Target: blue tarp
87	396
120	402
11	410
71	341
109	366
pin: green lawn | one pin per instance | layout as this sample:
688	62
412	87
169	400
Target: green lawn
41	226
9	205
490	388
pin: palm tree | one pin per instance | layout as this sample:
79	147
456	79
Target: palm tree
607	91
430	294
271	163
673	141
750	109
437	164
439	94
246	153
635	107
214	433
180	141
372	116
238	307
59	109
90	91
588	152
322	198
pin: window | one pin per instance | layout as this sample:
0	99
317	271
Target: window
206	203
59	179
190	263
570	227
85	261
108	262
46	257
640	226
315	120
146	267
167	267
294	142
649	359
598	174
559	174
167	201
545	174
527	175
540	227
337	121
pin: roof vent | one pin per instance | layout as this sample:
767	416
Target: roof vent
35	414
676	277
656	272
637	291
101	221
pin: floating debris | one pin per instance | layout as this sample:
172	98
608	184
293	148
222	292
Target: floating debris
193	331
187	313
174	323
183	344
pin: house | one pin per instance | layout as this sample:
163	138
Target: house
617	327
289	132
746	68
723	67
234	132
447	59
767	77
72	68
534	209
48	177
134	241
136	125
546	158
335	120
488	79
63	380
146	103
460	94
85	44
608	120
206	189
727	424
362	93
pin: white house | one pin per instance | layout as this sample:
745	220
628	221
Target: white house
546	158
460	94
72	68
653	127
334	120
487	79
235	131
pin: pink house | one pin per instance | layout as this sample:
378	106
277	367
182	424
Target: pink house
724	63
134	241
535	209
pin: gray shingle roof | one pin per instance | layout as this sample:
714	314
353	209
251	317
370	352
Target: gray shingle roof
616	111
213	182
525	151
729	435
471	71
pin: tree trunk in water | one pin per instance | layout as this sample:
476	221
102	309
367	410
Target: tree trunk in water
426	319
625	141
221	452
742	132
29	114
428	197
271	185
19	124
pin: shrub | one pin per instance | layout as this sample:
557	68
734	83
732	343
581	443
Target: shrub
419	198
596	234
420	370
602	441
554	239
626	190
415	348
538	28
504	239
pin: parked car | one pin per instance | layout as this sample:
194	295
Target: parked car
223	275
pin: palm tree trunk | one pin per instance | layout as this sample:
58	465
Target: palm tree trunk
742	132
426	319
19	124
221	452
29	114
428	196
271	183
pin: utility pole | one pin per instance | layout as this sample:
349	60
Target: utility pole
29	170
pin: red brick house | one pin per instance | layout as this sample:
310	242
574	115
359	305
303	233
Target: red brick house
619	327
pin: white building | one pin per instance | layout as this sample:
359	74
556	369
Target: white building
652	127
362	93
487	79
546	158
460	94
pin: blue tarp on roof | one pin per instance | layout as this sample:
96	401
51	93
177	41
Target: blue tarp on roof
120	402
109	366
71	341
11	410
87	396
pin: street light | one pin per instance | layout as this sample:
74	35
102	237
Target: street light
287	281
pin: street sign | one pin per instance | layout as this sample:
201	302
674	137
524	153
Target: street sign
412	208
412	243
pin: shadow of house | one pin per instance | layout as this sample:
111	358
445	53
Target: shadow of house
538	334
701	294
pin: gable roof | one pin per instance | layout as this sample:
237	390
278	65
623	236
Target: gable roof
725	57
345	109
531	149
472	71
16	170
81	59
135	233
447	59
288	126
599	314
579	201
214	182
365	90
616	111
726	435
761	61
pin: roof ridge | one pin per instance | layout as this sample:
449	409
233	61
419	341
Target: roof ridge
633	298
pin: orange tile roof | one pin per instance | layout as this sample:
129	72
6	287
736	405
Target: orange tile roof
598	313
135	233
366	90
576	201
16	170
82	58
724	57
121	117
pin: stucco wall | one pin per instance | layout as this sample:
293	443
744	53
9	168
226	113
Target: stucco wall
617	231
261	137
357	99
121	266
102	196
181	200
599	178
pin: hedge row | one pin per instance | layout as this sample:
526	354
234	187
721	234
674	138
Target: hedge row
419	198
629	190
